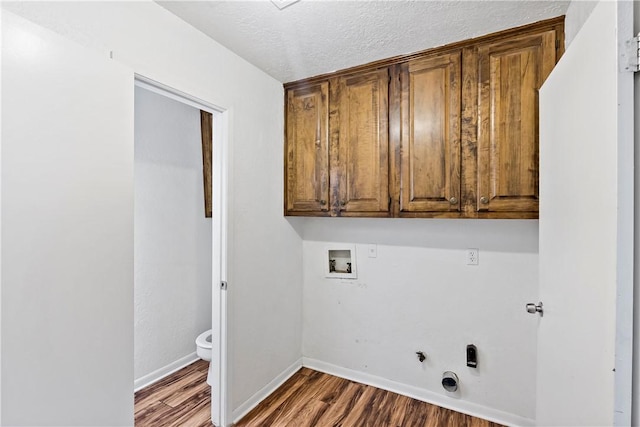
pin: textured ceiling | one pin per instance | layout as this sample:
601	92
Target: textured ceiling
313	37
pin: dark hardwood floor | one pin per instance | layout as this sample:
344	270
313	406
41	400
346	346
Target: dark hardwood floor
310	398
307	399
183	399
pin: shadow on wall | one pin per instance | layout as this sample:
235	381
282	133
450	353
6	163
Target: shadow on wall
494	235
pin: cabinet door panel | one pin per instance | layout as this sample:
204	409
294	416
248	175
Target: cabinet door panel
430	137
510	73
363	143
308	149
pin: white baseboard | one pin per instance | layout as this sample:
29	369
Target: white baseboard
159	374
464	407
265	391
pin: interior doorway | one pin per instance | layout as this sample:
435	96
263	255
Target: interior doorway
206	238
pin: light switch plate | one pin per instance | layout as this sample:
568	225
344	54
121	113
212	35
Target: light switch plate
372	251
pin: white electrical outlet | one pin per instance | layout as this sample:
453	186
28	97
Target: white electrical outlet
472	256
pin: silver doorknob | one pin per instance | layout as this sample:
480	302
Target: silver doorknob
453	201
533	309
484	200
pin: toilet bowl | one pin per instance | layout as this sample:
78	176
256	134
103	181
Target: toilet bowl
203	346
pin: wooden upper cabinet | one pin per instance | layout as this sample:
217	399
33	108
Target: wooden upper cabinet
451	132
510	73
360	144
307	150
430	134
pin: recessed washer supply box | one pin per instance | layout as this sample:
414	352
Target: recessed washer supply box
340	261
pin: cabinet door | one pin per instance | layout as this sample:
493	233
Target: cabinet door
307	162
510	74
430	135
362	145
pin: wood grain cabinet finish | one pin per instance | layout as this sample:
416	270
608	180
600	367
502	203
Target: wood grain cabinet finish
510	73
450	132
307	153
360	144
430	134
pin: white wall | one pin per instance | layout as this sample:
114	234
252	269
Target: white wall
577	14
67	232
172	246
419	294
265	255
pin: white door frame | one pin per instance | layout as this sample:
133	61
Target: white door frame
623	376
217	377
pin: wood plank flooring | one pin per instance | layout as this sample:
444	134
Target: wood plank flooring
314	399
307	399
183	399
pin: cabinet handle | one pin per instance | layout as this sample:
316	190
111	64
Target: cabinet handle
484	200
453	201
323	202
533	309
342	203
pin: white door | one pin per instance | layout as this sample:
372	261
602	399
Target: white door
67	232
586	214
